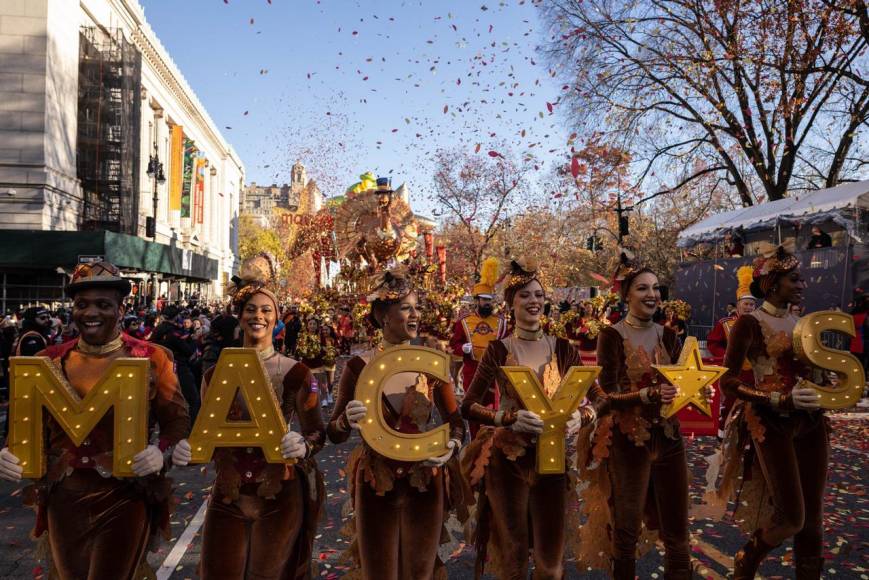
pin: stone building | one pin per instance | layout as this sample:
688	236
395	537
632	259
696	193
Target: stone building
301	196
106	151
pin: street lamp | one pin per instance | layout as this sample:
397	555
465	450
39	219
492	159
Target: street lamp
155	172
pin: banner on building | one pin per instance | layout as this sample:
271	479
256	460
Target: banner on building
187	178
176	162
199	189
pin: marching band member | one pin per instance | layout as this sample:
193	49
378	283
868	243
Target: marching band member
717	339
473	332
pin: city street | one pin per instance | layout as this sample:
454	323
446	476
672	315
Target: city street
714	543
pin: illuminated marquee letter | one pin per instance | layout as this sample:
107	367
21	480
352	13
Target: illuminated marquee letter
37	384
809	348
239	370
375	430
690	377
555	412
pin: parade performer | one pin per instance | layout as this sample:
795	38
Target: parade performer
318	351
399	507
262	517
633	451
717	339
99	526
473	332
789	452
517	508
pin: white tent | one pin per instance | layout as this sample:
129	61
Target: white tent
816	206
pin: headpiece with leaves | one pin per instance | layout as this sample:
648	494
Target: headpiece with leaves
522	271
626	270
772	261
257	274
390	285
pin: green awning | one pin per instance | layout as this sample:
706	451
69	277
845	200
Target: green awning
49	249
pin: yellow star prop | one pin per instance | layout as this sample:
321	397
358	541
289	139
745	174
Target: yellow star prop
690	376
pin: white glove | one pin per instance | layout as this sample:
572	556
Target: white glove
355	411
148	461
182	454
579	419
806	398
467	348
293	446
439	460
10	470
528	422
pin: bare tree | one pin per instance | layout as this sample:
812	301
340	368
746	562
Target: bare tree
476	191
768	94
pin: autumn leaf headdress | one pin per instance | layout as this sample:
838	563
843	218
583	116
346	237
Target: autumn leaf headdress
257	274
628	268
390	285
772	261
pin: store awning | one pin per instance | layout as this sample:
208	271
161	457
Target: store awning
50	249
812	206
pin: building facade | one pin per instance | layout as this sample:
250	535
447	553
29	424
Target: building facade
300	196
105	151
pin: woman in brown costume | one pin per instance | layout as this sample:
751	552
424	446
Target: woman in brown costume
788	435
399	507
262	517
518	508
635	461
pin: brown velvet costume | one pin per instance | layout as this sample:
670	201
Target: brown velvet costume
785	469
262	517
518	509
400	508
633	460
99	526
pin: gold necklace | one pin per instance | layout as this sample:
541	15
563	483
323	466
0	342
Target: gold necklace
98	349
384	344
773	310
639	322
525	334
266	353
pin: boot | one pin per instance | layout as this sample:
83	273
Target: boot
624	569
809	568
748	559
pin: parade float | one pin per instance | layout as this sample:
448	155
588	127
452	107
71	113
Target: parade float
369	227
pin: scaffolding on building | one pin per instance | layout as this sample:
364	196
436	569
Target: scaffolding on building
109	89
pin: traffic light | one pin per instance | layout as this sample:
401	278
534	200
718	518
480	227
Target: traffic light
150	227
623	226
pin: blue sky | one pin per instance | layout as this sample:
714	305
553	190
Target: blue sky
349	87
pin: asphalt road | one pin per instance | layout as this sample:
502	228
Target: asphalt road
713	543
